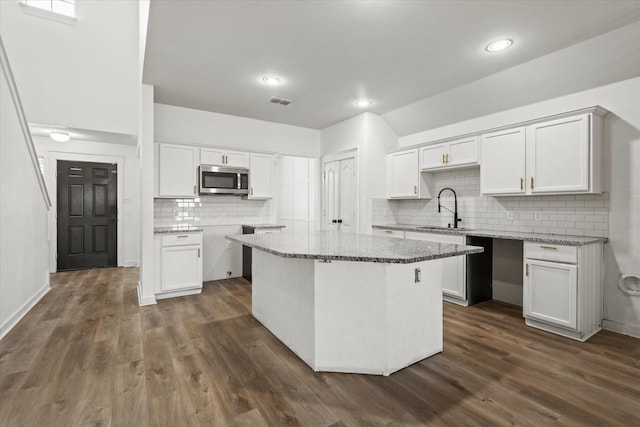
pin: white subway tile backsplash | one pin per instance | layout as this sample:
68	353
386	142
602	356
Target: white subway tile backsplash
210	210
573	214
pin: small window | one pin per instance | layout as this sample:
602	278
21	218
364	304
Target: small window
58	10
63	7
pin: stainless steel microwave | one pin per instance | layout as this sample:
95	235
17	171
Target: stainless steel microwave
223	180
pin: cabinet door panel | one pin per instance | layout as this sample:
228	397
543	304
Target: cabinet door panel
260	171
403	174
236	159
212	156
453	268
433	156
463	152
558	155
502	168
177	171
550	292
181	267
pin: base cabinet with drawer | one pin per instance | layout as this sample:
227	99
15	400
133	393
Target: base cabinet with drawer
454	286
563	288
179	264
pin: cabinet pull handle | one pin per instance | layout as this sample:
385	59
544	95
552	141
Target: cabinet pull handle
443	159
388	231
415	189
447	157
194	189
182	237
527	270
198	252
224	159
251	191
548	247
521	183
532	183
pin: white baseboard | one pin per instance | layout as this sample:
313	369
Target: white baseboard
12	321
621	328
150	300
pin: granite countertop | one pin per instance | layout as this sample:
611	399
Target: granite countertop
558	239
167	230
331	245
262	226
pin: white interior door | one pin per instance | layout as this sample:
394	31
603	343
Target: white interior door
330	191
347	195
340	196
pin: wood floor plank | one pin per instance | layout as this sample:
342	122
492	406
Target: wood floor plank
87	354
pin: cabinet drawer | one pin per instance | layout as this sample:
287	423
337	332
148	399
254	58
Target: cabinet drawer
456	239
181	239
551	252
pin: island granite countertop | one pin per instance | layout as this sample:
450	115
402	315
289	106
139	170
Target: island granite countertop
331	245
168	230
558	239
263	226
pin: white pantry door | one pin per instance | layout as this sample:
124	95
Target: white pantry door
339	178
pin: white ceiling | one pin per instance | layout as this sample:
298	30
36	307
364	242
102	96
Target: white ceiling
211	55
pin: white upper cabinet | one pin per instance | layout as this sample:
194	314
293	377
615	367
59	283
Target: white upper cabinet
404	180
558	156
452	154
503	162
433	156
176	175
220	157
260	176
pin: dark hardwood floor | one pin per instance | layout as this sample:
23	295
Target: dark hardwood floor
88	355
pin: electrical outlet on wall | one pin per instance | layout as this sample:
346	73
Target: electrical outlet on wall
510	215
537	216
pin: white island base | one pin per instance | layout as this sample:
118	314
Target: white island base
345	316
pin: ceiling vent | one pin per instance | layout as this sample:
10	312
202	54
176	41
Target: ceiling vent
281	101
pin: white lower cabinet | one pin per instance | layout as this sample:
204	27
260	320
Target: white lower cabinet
453	270
179	264
563	288
551	289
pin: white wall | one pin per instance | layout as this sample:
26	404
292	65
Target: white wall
128	194
611	57
24	269
80	76
189	126
296	195
371	135
622	179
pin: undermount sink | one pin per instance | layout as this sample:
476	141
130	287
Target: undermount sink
437	227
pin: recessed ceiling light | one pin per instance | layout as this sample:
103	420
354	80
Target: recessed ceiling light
363	102
499	45
270	80
59	136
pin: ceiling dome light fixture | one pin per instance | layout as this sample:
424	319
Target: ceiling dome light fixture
270	80
499	45
363	103
59	136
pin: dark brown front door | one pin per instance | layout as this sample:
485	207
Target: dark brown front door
87	215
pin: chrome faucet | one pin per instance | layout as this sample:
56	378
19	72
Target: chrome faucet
456	220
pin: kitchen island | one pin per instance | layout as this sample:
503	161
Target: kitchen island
350	302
